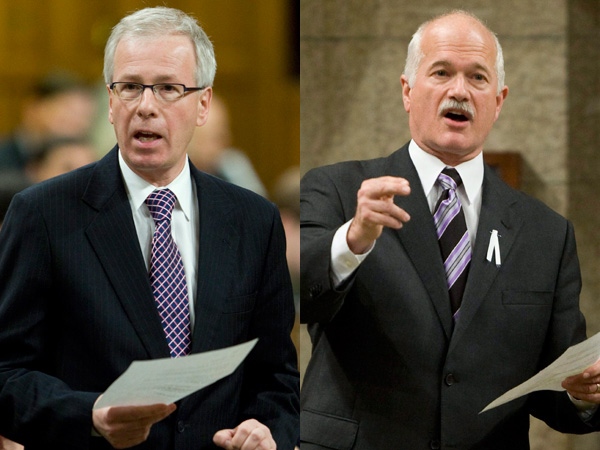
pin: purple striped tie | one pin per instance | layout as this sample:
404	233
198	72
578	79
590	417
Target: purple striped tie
453	236
167	275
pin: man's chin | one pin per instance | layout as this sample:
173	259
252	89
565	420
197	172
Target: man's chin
454	153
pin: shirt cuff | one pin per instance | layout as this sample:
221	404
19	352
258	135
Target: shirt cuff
585	410
343	261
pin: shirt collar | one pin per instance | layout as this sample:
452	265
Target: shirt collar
139	189
429	167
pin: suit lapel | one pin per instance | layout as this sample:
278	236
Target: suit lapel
218	243
113	237
419	240
496	214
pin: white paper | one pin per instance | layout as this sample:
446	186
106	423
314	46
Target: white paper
170	379
572	362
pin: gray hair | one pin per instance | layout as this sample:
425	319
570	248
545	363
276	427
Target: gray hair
415	54
157	22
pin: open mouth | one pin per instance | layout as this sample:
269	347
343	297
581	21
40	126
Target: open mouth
146	136
458	112
456	117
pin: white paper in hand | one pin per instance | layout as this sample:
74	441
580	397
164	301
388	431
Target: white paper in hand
572	362
170	379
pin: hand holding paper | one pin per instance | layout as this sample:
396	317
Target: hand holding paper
570	364
126	426
146	392
585	386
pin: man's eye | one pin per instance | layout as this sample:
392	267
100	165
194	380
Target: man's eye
130	87
168	88
441	73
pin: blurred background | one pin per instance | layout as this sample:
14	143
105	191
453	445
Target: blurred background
546	141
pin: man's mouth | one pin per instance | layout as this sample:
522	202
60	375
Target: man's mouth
146	136
457	111
458	117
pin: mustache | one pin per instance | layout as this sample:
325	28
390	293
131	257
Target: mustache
456	106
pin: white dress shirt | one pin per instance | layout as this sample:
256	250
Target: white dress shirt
344	262
184	222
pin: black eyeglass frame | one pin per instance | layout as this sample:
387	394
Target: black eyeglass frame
186	89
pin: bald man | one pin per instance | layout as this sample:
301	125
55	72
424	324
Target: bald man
410	340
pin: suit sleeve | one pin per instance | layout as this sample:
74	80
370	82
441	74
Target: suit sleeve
28	396
271	382
567	328
323	209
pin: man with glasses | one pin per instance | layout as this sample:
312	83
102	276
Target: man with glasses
141	256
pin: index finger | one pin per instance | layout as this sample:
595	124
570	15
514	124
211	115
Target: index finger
386	186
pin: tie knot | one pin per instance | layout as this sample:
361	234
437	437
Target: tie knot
160	204
449	179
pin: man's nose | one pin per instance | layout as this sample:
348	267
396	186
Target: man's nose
148	102
458	89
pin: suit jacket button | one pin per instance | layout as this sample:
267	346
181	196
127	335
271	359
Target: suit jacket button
315	290
449	379
181	426
435	445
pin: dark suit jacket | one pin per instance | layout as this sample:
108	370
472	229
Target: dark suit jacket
388	369
76	308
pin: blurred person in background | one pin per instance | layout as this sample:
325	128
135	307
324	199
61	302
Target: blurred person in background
211	151
53	157
60	105
58	156
11	182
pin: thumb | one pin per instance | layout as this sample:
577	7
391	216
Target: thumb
223	438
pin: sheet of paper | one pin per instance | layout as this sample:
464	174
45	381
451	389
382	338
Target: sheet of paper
572	362
168	380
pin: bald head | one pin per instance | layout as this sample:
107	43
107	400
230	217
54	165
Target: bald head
453	95
451	23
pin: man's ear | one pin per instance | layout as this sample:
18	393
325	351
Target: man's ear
110	100
204	106
405	93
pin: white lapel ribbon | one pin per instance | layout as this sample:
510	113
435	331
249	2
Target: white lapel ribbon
494	248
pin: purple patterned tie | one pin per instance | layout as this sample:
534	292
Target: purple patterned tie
167	275
453	236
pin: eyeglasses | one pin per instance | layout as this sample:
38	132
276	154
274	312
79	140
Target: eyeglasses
169	92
